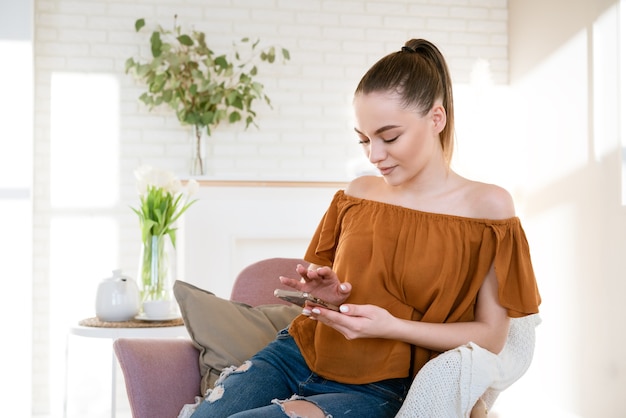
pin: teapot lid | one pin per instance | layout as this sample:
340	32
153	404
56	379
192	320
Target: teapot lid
117	275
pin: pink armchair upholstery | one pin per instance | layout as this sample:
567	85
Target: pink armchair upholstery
162	375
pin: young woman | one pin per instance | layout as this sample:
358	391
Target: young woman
420	260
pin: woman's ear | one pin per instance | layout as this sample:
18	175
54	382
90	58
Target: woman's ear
439	119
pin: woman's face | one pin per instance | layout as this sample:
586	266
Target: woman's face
399	141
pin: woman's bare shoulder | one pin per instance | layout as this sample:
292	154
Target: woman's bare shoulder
490	201
362	187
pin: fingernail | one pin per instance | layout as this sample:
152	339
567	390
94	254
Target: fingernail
343	287
306	311
343	308
316	311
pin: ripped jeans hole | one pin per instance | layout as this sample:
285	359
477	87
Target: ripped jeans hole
290	414
218	390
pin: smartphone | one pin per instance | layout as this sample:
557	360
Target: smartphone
300	298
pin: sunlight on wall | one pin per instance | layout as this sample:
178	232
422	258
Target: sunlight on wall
565	122
606	124
484	148
84	235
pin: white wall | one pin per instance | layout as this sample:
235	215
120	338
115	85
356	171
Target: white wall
91	132
566	76
16	149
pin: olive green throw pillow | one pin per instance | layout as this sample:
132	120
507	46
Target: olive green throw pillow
227	333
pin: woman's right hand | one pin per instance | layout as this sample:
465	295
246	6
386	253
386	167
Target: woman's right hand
321	281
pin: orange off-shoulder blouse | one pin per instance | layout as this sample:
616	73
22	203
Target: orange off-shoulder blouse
418	265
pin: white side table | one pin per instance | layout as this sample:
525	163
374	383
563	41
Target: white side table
94	328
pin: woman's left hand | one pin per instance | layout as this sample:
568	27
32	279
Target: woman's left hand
355	321
322	282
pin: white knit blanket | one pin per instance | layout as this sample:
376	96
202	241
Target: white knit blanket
449	385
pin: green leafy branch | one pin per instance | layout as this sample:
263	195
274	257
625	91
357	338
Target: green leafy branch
203	88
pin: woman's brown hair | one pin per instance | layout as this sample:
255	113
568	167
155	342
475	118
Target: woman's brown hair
419	74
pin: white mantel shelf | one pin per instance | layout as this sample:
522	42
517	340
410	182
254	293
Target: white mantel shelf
269	183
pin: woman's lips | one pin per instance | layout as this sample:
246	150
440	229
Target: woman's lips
385	170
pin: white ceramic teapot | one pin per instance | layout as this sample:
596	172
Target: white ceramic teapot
117	298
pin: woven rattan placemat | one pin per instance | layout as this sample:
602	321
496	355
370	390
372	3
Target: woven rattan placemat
133	323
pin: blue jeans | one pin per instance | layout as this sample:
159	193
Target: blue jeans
279	372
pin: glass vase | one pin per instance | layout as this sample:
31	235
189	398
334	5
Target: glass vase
198	161
157	270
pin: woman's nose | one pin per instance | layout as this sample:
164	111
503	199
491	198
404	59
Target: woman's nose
377	152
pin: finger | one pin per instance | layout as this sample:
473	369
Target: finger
313	274
295	283
351	310
302	271
312	312
345	288
307	275
324	272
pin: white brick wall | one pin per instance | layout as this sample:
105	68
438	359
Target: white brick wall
307	134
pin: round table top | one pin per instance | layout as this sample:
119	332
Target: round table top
134	328
132	323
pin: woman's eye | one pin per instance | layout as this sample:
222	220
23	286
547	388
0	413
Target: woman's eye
366	141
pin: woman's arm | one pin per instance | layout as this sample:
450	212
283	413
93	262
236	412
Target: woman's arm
489	328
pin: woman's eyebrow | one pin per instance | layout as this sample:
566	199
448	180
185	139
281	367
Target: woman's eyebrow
379	130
